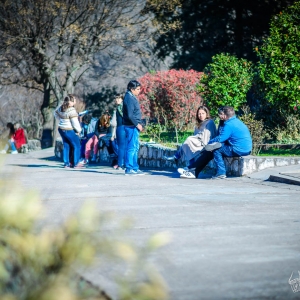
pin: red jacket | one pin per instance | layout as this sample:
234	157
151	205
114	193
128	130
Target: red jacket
19	138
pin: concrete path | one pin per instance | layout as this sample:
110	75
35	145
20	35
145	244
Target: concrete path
237	238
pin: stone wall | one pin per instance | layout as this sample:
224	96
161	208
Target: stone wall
151	156
32	145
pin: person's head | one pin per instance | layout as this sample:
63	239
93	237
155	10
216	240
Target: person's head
17	126
134	87
226	112
69	101
86	119
10	125
202	114
105	120
119	98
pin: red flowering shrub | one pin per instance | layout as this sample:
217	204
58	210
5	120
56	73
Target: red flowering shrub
170	97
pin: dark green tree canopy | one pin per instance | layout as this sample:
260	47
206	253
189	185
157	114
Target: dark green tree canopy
203	28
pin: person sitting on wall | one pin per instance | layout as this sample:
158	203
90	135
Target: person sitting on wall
19	137
233	139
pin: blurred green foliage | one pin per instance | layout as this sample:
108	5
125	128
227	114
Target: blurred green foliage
279	66
41	263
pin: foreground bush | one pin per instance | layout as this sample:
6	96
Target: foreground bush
42	264
226	81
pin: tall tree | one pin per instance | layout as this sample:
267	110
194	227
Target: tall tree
203	28
49	44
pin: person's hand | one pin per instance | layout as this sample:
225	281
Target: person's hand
112	138
139	127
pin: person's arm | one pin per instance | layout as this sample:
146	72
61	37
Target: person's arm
224	135
113	125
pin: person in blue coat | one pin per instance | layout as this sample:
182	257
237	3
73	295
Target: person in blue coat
132	126
234	139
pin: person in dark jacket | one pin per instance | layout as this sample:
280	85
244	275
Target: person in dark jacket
133	126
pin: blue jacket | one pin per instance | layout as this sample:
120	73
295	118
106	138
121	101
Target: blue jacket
131	110
235	133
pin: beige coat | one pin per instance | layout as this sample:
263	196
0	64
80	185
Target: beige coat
195	143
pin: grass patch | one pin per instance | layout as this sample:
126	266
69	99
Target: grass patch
280	152
167	137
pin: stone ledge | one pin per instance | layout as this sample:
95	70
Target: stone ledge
151	156
32	145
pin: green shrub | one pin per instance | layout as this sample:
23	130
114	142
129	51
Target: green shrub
279	66
256	128
41	264
226	81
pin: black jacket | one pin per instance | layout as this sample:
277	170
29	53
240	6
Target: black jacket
131	110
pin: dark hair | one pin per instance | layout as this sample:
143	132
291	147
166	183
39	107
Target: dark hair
227	111
11	129
120	95
132	85
67	100
207	114
87	119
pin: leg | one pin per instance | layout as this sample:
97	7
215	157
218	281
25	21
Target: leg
225	150
66	144
132	137
122	145
201	162
12	145
88	146
74	142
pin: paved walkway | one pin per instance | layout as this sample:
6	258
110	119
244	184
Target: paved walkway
237	238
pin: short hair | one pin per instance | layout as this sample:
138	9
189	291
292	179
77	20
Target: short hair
132	85
120	95
227	110
87	118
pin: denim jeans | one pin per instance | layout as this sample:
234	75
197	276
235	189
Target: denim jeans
70	140
224	151
122	142
12	145
132	138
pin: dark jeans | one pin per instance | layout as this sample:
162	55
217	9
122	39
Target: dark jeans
225	151
204	158
70	141
121	139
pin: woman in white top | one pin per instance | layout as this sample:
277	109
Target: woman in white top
69	129
205	130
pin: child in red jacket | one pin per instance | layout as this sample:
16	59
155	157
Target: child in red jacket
19	136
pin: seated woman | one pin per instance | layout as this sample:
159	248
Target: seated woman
19	137
205	130
102	137
8	136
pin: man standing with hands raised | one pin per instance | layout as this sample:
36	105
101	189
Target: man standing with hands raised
133	126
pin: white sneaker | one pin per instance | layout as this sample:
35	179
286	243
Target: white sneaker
2	152
14	152
182	170
188	175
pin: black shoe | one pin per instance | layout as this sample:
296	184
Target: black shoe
213	146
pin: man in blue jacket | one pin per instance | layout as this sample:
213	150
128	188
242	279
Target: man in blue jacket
133	126
234	139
